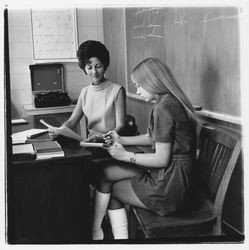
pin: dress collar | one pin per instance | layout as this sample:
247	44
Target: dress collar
100	86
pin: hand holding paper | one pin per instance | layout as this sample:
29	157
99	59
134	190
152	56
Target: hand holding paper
65	131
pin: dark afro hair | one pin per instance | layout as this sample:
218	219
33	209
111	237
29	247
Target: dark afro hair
90	49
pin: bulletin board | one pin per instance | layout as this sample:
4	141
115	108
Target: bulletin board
201	45
54	34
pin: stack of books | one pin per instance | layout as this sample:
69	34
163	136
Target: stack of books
47	149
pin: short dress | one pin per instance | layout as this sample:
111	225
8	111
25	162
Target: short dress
165	190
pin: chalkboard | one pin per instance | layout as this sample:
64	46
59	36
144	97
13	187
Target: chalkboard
54	34
199	44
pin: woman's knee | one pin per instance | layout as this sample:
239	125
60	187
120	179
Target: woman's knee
106	173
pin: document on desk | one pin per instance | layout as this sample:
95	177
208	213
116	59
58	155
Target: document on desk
21	137
65	131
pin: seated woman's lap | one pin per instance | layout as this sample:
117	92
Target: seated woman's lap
112	170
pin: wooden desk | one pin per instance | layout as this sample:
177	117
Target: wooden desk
50	198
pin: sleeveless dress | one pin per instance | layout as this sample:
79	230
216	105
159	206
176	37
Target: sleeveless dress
164	190
99	106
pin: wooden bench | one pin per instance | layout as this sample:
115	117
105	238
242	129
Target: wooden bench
219	150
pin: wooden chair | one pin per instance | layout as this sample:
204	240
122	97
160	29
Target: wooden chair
219	150
130	126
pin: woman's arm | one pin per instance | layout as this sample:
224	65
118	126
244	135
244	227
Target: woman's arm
112	137
120	111
141	140
75	117
159	159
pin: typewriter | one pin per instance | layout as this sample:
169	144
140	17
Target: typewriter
48	85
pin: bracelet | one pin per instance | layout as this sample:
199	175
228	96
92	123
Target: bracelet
133	158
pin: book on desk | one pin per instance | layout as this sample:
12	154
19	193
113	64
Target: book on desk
41	149
46	149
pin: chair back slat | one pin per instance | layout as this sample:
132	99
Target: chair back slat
216	149
222	158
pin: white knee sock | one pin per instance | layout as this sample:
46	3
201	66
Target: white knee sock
100	206
118	220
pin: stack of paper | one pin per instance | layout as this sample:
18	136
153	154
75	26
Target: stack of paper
23	152
21	137
48	149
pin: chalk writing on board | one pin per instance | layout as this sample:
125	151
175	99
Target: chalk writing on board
54	35
180	17
147	23
209	17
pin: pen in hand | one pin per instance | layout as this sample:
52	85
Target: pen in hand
111	137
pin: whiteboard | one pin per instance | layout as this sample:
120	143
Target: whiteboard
54	34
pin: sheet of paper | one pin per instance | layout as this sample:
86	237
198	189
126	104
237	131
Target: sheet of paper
65	131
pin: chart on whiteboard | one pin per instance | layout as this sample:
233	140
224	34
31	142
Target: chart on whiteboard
54	34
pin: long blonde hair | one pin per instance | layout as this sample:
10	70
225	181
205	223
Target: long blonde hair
155	77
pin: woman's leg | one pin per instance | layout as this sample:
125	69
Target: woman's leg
122	193
100	206
110	172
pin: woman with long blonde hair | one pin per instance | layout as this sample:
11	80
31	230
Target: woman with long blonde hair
158	181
